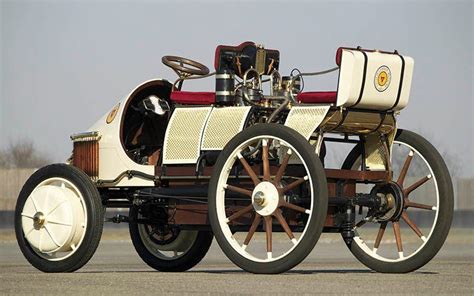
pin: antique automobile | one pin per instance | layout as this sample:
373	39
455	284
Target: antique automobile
247	164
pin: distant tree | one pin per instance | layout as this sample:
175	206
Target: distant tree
22	154
4	163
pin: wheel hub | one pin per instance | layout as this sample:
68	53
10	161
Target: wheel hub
259	198
391	201
53	219
265	198
38	220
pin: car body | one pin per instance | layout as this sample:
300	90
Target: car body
184	163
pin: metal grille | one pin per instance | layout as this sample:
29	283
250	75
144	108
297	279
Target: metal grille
85	154
306	119
183	136
222	126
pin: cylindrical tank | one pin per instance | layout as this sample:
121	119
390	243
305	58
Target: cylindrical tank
225	88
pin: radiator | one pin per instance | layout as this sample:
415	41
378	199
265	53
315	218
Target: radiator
85	154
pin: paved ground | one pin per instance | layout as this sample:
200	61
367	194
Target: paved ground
330	269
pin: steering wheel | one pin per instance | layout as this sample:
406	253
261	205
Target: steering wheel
184	67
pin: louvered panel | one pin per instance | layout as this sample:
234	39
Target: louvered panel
85	155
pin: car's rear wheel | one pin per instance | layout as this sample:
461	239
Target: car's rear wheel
165	247
405	241
58	219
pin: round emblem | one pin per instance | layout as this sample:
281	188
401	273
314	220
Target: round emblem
112	114
382	78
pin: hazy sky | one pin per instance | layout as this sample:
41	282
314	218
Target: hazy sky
64	64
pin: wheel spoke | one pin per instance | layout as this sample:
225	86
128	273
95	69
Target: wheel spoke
41	233
404	170
294	207
413	226
51	236
285	225
56	207
268	231
26	215
282	168
378	239
34	204
410	204
398	238
253	228
58	223
248	169
266	161
294	184
240	213
28	232
415	185
238	190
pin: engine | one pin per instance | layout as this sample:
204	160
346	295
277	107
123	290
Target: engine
239	72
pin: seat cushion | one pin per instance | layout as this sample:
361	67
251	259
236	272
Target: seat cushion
193	98
317	97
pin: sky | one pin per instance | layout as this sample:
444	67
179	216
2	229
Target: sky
66	63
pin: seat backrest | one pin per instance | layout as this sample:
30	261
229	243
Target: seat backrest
373	80
248	55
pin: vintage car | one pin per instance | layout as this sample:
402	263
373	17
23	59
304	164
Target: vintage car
248	168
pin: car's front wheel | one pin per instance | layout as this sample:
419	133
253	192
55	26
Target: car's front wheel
267	179
58	219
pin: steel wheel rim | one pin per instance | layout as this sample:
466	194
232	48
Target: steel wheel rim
73	203
220	200
371	252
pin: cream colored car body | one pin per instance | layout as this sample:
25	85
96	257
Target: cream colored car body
192	129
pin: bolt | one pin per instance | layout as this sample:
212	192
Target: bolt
259	197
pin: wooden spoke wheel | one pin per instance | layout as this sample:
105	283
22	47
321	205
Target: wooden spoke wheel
267	199
58	219
411	233
166	247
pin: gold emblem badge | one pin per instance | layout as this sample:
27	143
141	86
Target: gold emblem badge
112	114
382	78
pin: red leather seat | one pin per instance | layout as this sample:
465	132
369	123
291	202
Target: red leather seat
193	98
317	97
237	48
